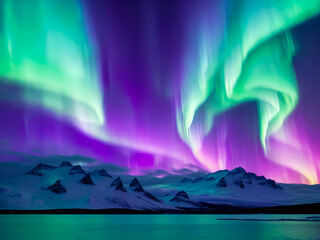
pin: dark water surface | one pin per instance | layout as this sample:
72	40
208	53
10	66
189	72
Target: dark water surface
156	227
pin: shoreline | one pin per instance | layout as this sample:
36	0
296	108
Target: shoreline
313	208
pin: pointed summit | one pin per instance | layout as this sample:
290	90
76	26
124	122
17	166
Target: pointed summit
136	186
238	170
102	172
42	166
65	164
87	180
57	187
118	185
36	170
76	169
181	196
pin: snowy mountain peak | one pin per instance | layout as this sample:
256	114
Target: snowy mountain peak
42	166
77	169
36	170
102	172
249	178
181	196
241	178
238	170
87	180
237	177
57	187
65	164
118	185
235	187
136	186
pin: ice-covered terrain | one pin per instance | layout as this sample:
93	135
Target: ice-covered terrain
71	186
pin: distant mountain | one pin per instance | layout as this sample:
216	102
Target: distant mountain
37	169
97	189
236	177
102	172
136	187
235	187
118	185
57	187
65	164
77	170
181	196
87	180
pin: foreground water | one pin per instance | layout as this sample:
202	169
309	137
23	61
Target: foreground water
154	227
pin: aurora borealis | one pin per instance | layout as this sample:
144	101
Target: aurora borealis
164	84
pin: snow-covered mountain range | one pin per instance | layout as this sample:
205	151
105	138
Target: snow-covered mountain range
70	186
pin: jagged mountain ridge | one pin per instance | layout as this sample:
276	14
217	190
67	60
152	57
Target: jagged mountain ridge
36	170
65	164
102	172
57	187
137	188
70	186
238	177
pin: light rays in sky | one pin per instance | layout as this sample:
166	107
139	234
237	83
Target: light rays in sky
159	89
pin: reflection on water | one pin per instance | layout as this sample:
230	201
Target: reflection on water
155	227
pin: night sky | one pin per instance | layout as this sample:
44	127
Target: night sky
164	84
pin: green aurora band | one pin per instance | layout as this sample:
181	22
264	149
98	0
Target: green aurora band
253	61
44	47
246	56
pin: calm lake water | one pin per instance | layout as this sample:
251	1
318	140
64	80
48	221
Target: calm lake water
155	227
